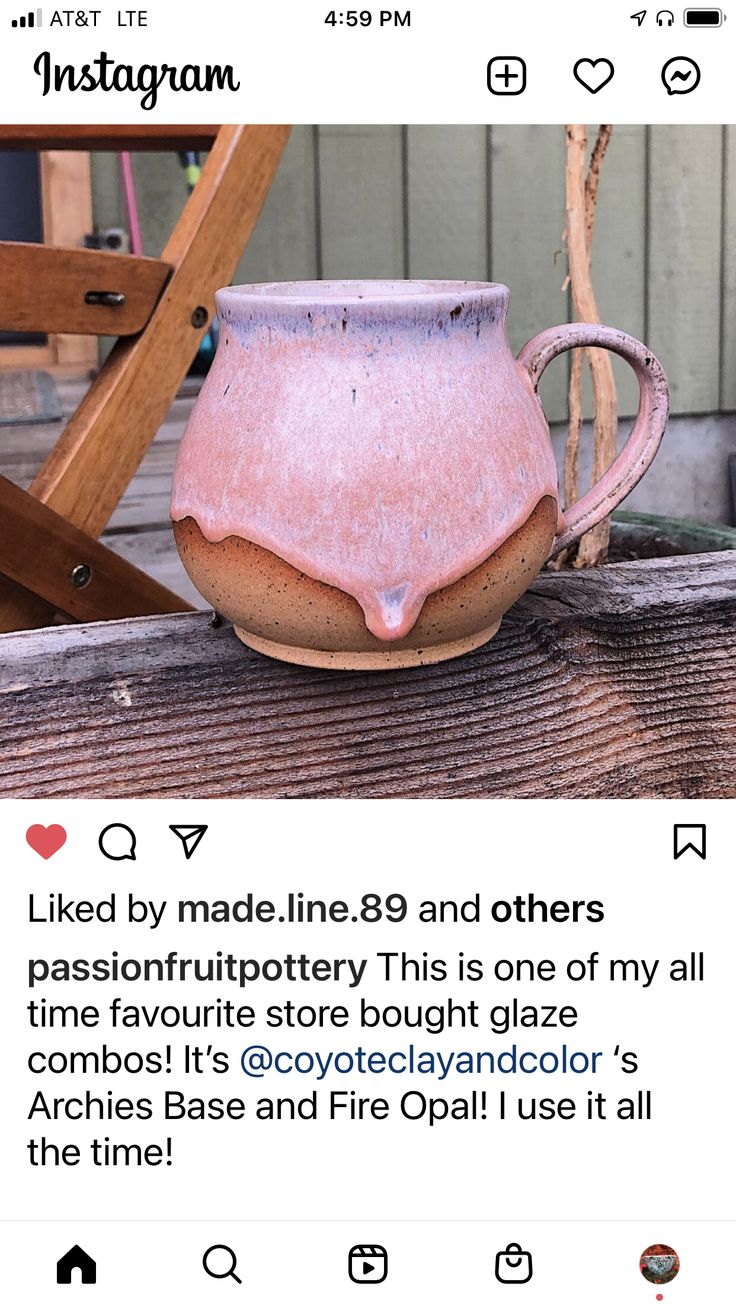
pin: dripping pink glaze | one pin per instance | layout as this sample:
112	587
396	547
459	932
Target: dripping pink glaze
378	436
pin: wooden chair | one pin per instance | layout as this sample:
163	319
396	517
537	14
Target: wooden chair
50	559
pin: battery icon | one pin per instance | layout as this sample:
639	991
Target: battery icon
703	17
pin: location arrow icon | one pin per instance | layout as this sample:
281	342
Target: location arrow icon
189	837
640	16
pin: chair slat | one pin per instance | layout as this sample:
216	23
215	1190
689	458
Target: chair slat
46	289
115	136
43	552
105	440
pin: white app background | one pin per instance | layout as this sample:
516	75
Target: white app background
442	1198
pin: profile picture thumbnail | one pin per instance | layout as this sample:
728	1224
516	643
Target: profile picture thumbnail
659	1264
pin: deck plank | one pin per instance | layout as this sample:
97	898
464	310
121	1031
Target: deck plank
617	683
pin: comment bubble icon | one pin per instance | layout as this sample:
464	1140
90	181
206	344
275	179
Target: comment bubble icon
117	842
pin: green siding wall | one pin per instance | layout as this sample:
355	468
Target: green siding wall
488	202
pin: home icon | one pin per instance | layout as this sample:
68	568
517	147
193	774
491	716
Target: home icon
76	1258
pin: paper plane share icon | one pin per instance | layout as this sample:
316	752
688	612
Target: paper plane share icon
189	837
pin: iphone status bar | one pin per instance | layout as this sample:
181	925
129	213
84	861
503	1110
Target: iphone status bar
308	62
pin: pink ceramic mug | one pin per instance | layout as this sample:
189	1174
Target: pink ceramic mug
367	478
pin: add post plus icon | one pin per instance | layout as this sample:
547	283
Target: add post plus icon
506	75
368	1264
189	837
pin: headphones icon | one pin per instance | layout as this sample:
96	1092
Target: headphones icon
665	18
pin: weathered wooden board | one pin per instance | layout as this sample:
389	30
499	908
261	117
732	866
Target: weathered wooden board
111	136
447	177
46	289
618	683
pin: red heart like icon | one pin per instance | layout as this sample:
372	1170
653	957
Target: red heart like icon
46	840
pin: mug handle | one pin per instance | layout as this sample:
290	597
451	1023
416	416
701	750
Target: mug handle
651	421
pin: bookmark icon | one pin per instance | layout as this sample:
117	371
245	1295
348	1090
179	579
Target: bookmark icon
690	837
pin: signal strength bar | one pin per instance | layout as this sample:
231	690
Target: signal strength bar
29	20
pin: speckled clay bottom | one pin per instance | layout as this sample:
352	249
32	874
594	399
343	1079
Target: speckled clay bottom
282	612
364	661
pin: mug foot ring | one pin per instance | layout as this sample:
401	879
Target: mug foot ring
366	660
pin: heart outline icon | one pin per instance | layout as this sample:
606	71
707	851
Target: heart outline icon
46	841
592	65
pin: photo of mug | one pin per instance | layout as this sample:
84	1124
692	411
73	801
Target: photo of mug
367	478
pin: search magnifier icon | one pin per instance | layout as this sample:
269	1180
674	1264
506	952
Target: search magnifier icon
218	1266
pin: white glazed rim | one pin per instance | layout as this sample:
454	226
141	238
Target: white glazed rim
360	292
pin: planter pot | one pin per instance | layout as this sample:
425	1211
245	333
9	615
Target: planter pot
367	478
653	536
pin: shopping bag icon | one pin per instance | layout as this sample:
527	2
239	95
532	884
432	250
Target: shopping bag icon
513	1265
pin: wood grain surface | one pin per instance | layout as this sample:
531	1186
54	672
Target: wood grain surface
40	551
101	446
139	529
44	288
615	683
123	410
